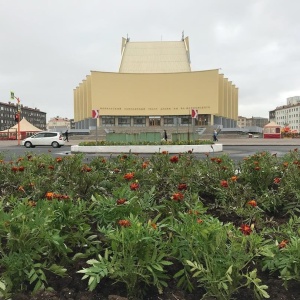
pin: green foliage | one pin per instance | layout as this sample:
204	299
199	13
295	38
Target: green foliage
135	255
181	222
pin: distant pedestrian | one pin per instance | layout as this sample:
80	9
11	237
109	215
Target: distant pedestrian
215	136
67	135
165	135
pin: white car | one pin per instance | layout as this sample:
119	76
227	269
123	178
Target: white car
54	139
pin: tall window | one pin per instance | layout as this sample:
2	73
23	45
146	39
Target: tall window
139	121
108	121
124	121
169	120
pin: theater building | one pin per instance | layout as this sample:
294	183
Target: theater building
155	87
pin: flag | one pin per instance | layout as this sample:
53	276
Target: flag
194	113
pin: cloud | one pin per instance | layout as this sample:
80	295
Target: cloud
48	47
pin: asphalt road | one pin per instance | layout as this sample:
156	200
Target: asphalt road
236	152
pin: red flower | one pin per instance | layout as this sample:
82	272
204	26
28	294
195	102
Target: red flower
177	196
245	229
283	244
14	169
224	183
121	201
124	223
182	186
218	160
134	186
252	203
128	176
277	180
174	159
257	168
85	168
51	168
164	152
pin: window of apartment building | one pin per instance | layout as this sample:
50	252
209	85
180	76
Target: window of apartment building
139	121
124	121
108	121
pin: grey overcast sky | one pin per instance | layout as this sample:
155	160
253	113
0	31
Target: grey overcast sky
47	47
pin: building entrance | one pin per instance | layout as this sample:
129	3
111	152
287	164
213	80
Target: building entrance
154	121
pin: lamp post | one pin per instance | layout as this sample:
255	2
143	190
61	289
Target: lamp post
18	115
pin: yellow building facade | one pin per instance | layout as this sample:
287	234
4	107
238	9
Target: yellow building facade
163	96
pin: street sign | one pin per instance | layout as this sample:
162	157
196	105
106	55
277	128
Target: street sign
95	113
194	113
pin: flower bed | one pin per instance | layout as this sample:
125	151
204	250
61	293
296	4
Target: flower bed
195	226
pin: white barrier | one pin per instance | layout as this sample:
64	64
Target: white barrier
148	149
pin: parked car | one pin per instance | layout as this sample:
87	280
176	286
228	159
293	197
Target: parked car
54	139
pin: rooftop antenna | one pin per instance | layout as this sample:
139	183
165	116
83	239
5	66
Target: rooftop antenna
128	39
182	37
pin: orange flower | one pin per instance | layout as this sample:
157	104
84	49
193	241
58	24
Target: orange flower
285	164
177	196
145	164
174	159
59	159
124	223
277	180
257	168
283	244
128	176
31	203
121	201
218	160
234	178
252	203
199	221
21	169
21	189
224	183
134	186
49	195
153	225
164	152
51	168
245	229
182	186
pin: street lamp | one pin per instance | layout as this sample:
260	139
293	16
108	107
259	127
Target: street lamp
18	115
